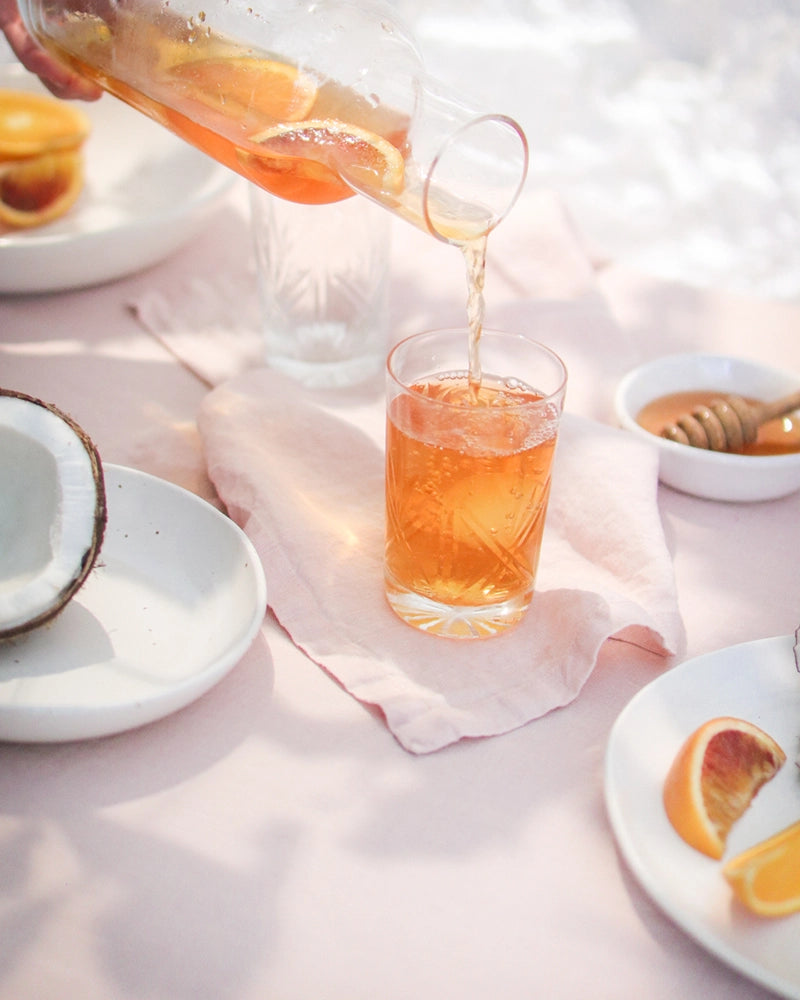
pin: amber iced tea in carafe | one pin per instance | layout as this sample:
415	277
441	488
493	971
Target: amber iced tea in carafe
220	95
311	101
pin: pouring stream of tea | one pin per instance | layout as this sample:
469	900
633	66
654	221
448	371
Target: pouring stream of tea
475	257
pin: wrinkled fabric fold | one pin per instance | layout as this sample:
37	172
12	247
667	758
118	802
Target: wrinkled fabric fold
306	484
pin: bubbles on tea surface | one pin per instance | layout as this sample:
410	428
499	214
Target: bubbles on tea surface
517	385
502	417
450	387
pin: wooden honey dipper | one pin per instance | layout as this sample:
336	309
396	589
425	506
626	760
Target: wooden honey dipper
727	423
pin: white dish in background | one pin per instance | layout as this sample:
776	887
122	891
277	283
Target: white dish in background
173	603
146	194
756	681
709	474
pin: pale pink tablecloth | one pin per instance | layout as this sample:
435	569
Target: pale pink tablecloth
272	840
276	820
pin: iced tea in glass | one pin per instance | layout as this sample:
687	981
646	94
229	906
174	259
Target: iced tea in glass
468	478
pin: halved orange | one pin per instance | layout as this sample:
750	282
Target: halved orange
766	877
32	124
39	189
323	152
235	85
714	777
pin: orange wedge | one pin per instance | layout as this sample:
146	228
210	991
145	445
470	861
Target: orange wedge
39	189
715	776
766	878
293	158
32	124
237	84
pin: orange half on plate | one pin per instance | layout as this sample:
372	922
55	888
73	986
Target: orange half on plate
714	777
41	160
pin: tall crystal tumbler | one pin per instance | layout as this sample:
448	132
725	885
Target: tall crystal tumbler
322	273
468	478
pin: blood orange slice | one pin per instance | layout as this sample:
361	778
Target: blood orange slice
323	152
714	777
39	189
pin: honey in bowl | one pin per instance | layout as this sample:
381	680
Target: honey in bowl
780	436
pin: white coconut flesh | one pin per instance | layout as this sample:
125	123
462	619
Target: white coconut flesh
52	511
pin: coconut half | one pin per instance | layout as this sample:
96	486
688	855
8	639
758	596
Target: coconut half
52	511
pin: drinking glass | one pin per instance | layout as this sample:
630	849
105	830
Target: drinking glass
323	280
468	478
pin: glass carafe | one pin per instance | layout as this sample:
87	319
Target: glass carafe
312	101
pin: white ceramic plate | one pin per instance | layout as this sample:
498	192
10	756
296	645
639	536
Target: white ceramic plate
757	681
146	194
174	602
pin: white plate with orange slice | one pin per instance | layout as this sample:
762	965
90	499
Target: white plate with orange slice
755	681
145	194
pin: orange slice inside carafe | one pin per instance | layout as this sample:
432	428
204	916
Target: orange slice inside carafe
309	161
235	86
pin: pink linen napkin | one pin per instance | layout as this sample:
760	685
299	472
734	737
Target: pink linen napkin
306	484
210	326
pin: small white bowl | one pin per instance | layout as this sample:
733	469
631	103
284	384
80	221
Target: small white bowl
709	474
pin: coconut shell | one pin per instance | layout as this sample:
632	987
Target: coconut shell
90	555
